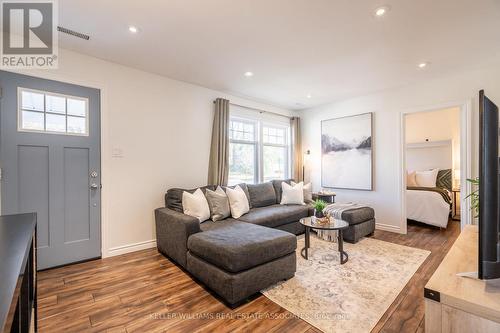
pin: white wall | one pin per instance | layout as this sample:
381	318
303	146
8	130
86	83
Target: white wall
163	128
387	107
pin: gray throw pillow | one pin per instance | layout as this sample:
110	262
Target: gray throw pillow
218	203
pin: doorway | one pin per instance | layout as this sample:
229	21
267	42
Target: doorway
51	164
436	161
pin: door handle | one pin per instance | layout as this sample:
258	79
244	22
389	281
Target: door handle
94	186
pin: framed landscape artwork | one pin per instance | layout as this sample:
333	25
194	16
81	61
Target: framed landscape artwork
346	152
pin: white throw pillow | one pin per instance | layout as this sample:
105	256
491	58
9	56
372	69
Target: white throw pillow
238	201
427	178
292	195
196	205
308	196
411	179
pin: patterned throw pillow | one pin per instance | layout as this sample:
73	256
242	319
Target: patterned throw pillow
444	179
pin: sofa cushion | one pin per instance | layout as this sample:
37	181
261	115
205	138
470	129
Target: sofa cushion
211	225
275	215
359	215
173	198
277	188
262	195
239	246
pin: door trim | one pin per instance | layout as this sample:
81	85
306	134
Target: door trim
105	162
465	157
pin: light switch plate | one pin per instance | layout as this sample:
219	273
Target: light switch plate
117	152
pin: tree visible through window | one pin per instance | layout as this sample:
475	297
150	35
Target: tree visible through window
257	151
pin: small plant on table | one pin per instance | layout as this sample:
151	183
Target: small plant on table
319	206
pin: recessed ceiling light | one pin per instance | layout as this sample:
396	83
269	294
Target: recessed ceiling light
309	96
423	65
248	74
133	29
381	11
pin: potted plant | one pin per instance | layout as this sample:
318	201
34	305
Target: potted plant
319	205
474	197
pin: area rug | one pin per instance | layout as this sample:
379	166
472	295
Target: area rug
350	297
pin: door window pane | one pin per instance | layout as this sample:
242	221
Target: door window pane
76	107
77	125
55	123
32	120
241	163
274	160
32	101
46	112
55	104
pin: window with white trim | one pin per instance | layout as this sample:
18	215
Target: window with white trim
274	152
47	112
242	151
259	150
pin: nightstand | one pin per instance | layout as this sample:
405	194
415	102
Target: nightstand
455	215
326	197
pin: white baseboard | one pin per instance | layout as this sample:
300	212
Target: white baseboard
115	251
388	227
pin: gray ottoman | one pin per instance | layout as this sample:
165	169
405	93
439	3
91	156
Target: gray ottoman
361	223
240	259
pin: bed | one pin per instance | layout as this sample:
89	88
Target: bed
429	205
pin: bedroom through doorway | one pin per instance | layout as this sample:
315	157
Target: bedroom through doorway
433	168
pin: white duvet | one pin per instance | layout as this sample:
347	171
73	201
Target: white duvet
427	207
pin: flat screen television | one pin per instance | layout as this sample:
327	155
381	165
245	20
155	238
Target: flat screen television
489	191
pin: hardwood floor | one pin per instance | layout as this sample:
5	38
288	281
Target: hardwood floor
145	292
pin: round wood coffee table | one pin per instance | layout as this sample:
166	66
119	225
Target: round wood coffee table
334	224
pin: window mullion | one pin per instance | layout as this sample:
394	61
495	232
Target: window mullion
258	155
44	112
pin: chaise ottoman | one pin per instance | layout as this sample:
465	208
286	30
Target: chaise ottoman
240	259
361	223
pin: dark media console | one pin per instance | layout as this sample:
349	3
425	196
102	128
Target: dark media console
18	300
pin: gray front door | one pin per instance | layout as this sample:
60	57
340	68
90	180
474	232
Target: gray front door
50	163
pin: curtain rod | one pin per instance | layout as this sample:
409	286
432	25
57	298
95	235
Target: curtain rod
259	110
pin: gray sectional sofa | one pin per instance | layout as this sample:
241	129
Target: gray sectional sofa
234	258
238	258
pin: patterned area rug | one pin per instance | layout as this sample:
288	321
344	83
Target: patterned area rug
350	297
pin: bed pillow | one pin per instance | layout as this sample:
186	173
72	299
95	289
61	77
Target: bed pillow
411	179
196	205
308	196
427	178
238	201
218	203
444	179
292	195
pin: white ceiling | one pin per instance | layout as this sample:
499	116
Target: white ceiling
331	49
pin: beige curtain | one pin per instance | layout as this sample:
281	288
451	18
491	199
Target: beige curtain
218	167
297	157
